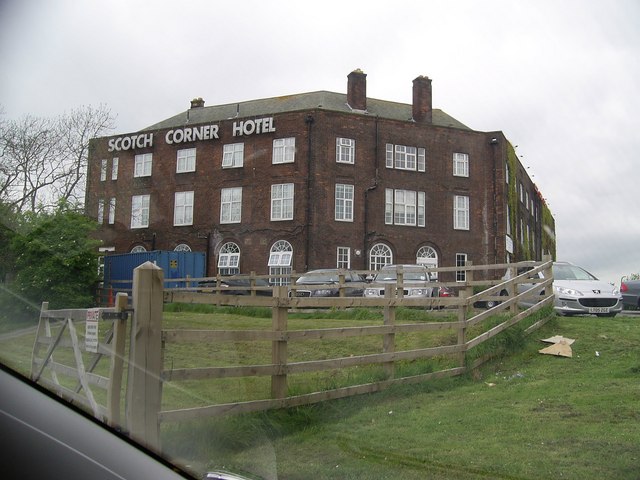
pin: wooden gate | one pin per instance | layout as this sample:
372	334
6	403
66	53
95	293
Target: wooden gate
84	367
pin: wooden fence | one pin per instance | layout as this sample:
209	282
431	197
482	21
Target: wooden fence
147	373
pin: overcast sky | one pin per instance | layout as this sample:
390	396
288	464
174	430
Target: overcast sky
560	78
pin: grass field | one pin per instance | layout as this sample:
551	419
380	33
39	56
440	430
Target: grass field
523	416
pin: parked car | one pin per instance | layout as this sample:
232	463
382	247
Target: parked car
630	290
415	281
579	292
237	286
326	283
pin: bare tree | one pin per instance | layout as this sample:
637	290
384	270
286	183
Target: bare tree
43	161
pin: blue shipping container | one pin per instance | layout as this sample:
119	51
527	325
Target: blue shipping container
118	268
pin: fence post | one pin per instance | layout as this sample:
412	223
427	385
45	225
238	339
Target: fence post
279	347
389	339
548	273
117	362
145	358
513	290
462	313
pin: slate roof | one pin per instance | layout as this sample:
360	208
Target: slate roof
331	101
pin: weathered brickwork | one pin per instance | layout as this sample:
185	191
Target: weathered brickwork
314	233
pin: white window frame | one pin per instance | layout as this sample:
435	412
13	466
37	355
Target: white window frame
186	160
282	201
343	257
460	164
143	163
114	168
182	247
112	211
103	170
284	150
379	256
229	259
345	150
461	261
428	256
101	211
140	211
404	157
183	208
280	262
344	202
461	212
233	155
231	205
405	207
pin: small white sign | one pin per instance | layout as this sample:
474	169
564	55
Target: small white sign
91	330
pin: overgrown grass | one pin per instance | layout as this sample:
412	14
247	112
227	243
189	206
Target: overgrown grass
522	416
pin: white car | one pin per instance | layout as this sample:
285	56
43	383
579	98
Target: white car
415	281
577	292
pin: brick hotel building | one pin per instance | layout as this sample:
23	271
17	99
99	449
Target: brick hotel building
316	180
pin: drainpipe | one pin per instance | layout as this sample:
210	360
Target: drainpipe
369	189
309	121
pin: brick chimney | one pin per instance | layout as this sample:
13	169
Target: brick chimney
357	90
422	100
197	103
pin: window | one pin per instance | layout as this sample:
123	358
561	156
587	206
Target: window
114	168
282	201
140	211
142	165
345	150
183	208
233	155
344	257
506	172
280	262
404	207
461	261
229	259
344	203
186	160
461	212
231	205
403	157
429	257
379	256
112	210
138	249
103	170
460	165
183	247
100	211
284	150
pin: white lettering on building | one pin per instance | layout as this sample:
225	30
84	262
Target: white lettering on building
249	127
144	140
191	134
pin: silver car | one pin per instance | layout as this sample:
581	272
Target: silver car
415	281
579	292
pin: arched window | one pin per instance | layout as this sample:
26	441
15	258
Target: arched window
379	256
280	262
429	257
183	247
229	259
138	249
